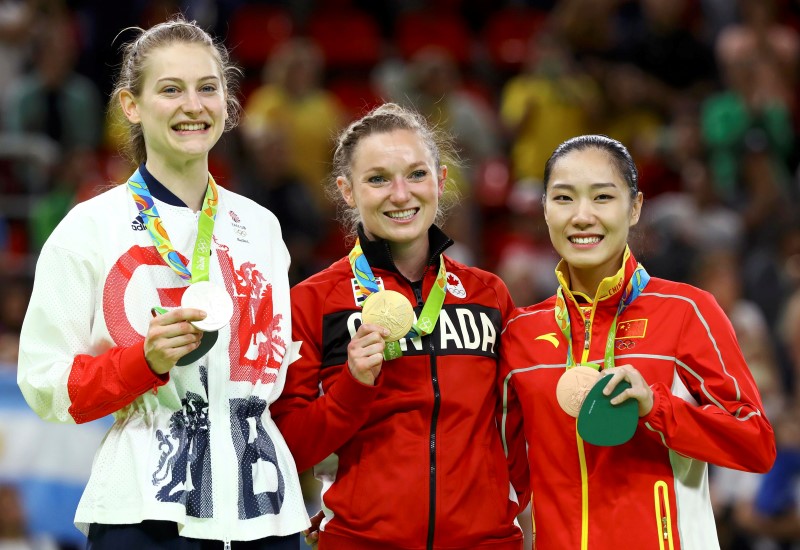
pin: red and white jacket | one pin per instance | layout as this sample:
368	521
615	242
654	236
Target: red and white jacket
651	492
418	461
196	447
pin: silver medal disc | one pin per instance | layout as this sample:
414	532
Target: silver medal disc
212	299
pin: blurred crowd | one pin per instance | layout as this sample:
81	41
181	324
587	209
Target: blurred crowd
703	92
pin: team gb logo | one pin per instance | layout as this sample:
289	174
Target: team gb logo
455	287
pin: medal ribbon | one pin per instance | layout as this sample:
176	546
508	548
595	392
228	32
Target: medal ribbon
205	228
430	310
638	281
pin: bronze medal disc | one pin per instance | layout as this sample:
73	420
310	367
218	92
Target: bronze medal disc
391	310
573	386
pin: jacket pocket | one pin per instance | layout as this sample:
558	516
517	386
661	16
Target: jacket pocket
663	516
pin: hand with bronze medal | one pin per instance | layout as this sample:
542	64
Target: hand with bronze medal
607	405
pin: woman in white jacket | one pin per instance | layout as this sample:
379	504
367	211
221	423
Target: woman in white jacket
165	302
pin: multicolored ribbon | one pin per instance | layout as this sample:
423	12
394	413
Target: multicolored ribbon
427	319
205	229
637	282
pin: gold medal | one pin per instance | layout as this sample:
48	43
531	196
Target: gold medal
573	386
391	310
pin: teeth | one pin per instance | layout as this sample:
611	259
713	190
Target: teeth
402	214
190	127
585	240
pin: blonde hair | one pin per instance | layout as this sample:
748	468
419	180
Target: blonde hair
383	119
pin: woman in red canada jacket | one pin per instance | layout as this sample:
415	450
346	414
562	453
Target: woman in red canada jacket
407	448
697	402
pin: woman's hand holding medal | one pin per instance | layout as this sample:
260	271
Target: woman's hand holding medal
607	405
639	390
365	353
171	336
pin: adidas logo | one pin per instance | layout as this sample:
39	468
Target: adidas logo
138	224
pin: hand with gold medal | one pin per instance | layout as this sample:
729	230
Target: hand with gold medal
386	316
391	310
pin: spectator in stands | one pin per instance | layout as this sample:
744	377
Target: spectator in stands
266	175
552	100
293	99
55	100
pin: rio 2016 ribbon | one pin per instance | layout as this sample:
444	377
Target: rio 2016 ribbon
205	228
430	310
637	282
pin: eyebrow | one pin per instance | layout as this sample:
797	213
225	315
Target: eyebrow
413	166
598	185
177	79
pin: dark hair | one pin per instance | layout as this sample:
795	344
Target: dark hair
135	53
616	151
383	119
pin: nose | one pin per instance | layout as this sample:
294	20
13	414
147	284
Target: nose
192	103
584	215
400	191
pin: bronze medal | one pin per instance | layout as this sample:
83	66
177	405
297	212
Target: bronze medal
573	386
391	310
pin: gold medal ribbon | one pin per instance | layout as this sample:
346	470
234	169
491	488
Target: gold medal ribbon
430	310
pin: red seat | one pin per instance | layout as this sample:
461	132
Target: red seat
348	38
416	30
356	95
507	33
256	31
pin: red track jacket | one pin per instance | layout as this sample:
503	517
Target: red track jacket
418	458
651	492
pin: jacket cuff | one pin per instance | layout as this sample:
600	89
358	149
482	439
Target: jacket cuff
134	371
657	402
353	395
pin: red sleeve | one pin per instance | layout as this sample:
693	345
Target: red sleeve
510	420
516	446
728	426
314	425
101	385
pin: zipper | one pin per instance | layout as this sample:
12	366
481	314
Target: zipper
584	491
587	333
663	516
434	422
418	293
588	319
417	288
227	544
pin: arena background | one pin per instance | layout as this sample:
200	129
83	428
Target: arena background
703	92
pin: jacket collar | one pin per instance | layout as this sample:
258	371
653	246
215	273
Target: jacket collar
609	292
379	255
158	190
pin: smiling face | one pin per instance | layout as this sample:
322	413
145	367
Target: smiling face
589	212
395	187
182	105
